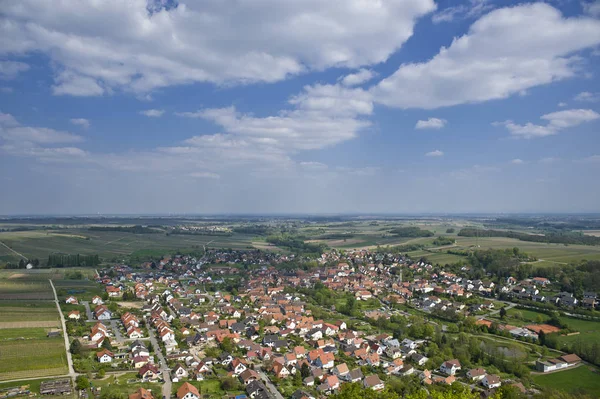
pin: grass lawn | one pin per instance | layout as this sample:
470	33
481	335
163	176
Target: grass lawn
589	331
582	379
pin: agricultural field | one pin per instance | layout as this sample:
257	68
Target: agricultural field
546	253
27	314
583	379
107	244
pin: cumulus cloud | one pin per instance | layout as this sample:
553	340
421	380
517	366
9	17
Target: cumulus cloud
435	153
591	159
322	116
562	104
505	52
10	69
556	121
431	123
358	78
99	46
84	123
517	161
153	113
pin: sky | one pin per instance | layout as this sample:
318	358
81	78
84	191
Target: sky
305	106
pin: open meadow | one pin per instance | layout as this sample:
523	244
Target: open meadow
583	379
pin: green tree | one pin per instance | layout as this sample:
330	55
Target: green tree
502	313
75	347
82	382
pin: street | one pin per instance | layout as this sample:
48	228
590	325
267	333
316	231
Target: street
268	383
166	388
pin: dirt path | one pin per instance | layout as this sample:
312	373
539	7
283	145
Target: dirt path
12	250
72	373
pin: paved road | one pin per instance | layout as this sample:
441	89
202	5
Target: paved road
88	311
164	368
115	326
268	383
72	373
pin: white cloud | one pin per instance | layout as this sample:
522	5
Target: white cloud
204	175
504	52
562	104
517	161
435	153
36	142
475	8
431	123
590	159
71	83
84	123
323	115
153	113
358	78
10	69
587	97
313	166
557	121
549	160
592	8
98	46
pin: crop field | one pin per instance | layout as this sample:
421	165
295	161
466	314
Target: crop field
547	253
107	244
25	349
32	355
582	379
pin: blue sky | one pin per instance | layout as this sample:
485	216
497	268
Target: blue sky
409	106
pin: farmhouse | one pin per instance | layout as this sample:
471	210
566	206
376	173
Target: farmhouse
72	300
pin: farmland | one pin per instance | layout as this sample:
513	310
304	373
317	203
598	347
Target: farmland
107	244
26	316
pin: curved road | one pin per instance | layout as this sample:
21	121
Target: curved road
72	373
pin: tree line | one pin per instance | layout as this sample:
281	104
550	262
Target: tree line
70	260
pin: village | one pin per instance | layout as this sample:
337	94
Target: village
181	325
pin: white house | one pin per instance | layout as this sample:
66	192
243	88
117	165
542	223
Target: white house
491	381
450	367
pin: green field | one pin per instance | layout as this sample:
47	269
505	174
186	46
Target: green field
25	349
549	253
583	379
589	331
107	244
